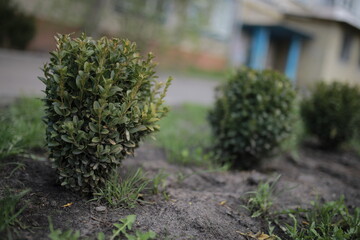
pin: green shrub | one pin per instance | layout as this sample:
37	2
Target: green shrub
252	116
101	99
16	28
331	113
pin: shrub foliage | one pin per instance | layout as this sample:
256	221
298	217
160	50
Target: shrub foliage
331	112
252	115
101	99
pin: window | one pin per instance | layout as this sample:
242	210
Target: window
346	46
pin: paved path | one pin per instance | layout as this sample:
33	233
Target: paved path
19	72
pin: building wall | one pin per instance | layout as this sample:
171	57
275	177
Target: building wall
314	51
258	12
336	68
320	57
208	46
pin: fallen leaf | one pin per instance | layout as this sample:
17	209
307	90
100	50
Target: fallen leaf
222	203
257	236
305	223
67	205
263	236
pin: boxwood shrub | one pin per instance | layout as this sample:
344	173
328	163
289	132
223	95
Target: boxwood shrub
253	114
332	113
101	99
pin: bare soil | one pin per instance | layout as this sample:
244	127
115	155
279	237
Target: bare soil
202	204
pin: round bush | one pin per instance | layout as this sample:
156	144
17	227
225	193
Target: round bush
101	99
331	113
252	116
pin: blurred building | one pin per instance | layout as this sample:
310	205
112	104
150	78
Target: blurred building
308	40
194	32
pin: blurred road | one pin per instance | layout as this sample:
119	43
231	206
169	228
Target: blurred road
19	72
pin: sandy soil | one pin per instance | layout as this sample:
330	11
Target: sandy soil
194	210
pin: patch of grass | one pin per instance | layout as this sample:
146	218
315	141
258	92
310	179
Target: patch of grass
328	221
21	127
260	201
60	235
125	192
9	212
185	135
158	182
121	230
208	74
17	166
125	225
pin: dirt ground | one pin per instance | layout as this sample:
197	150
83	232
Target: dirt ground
193	210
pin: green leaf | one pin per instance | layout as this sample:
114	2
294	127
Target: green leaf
116	148
154	120
93	127
114	90
53	144
66	139
130	144
104	131
95	140
138	128
127	135
57	110
128	221
78	81
101	236
96	105
76	151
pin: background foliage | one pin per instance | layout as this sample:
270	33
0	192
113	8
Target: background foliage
21	127
252	116
332	113
16	28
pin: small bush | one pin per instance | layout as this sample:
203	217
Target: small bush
253	115
101	99
331	113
